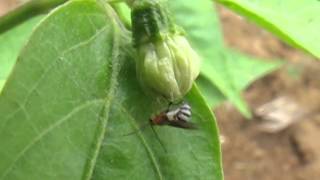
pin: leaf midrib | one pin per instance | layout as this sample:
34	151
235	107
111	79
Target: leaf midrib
101	131
62	119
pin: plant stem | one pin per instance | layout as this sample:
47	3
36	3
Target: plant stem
26	11
123	12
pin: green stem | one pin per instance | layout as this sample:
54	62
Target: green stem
123	12
27	11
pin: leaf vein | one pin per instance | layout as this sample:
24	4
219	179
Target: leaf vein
144	142
43	75
47	131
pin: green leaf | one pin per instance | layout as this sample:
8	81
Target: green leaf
212	94
201	23
11	43
124	13
73	97
294	21
223	74
219	73
244	70
203	31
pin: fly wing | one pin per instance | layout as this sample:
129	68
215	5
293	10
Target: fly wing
183	124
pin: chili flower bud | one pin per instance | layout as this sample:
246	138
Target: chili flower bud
166	62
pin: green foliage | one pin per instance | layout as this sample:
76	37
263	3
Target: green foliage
72	98
228	74
294	21
203	30
242	70
221	71
11	43
245	69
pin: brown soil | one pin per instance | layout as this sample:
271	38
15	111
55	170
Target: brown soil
249	153
7	5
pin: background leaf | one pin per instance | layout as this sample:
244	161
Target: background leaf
72	97
294	21
220	71
243	71
11	43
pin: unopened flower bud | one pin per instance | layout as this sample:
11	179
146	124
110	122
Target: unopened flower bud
166	63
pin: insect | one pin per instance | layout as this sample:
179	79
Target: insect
178	117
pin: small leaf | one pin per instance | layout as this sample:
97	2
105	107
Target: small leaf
203	30
243	69
219	66
11	43
294	21
201	23
72	98
246	69
211	93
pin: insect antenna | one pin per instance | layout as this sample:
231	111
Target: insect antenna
158	138
141	128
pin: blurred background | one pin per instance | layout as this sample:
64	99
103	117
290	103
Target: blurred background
280	142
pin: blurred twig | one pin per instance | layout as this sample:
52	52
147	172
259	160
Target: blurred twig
26	11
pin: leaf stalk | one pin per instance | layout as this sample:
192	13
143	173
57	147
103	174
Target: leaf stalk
26	11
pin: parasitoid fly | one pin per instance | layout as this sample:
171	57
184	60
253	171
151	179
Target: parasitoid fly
178	117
